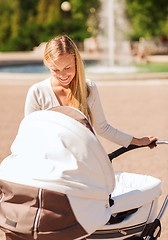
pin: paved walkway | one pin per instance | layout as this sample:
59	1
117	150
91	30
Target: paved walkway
138	109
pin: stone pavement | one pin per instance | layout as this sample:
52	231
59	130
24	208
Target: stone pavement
136	107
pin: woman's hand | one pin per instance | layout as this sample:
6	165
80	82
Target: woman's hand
144	141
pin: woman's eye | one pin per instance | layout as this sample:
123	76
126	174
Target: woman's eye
67	68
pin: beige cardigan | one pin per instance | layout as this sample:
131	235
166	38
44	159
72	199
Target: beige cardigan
41	97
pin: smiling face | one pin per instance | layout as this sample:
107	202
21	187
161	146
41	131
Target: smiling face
63	70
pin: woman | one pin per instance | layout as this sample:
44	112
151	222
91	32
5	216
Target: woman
68	87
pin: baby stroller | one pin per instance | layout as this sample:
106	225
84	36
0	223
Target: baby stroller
58	183
130	224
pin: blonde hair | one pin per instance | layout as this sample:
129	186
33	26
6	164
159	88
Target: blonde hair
78	89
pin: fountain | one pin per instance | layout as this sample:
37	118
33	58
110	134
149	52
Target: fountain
113	40
110	34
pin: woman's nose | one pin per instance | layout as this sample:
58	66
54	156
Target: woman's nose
62	74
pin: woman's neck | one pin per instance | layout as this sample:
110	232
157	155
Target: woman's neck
61	93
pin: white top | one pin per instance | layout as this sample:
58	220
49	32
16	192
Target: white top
41	97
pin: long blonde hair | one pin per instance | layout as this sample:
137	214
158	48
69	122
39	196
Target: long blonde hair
78	89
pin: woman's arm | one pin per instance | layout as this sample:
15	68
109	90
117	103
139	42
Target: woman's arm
106	130
32	103
100	124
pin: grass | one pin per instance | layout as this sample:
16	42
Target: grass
152	67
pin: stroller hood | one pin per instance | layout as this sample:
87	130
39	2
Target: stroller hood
55	152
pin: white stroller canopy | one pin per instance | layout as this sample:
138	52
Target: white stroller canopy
53	148
55	152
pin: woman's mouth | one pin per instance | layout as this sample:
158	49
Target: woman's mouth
64	79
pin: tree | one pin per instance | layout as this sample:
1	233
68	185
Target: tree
48	11
25	24
148	17
16	19
5	14
86	14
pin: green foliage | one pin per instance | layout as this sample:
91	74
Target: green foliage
148	17
27	23
5	19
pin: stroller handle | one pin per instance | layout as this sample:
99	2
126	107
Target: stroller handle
122	150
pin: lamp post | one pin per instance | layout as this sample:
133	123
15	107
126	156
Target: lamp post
66	6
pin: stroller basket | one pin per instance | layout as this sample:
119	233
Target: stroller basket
139	191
